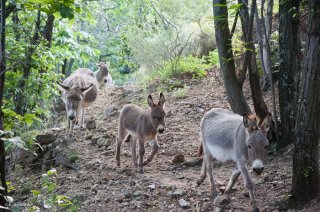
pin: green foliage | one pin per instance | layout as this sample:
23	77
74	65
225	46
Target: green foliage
213	58
46	198
182	65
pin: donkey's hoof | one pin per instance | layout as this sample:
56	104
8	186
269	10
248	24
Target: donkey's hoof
146	162
255	209
140	171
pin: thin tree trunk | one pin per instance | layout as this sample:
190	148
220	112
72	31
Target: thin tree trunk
289	46
268	20
244	17
48	29
306	175
64	66
235	94
2	78
70	67
259	105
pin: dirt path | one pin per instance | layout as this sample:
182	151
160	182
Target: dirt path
99	185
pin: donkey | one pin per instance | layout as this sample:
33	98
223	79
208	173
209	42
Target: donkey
79	91
228	136
102	74
141	125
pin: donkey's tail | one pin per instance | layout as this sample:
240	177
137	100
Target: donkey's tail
200	153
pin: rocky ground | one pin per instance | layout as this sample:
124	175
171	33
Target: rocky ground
87	171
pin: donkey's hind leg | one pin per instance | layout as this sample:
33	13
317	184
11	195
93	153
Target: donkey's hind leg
203	174
234	176
155	147
209	160
119	143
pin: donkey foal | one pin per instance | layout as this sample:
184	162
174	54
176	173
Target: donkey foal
228	136
137	124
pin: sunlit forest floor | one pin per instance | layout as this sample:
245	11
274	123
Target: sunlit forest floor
97	184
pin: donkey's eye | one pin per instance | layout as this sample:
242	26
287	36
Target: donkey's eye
249	146
154	118
266	147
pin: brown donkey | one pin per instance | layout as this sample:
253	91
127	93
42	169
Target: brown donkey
142	125
228	136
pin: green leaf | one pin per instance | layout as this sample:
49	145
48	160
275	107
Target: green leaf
36	192
66	12
235	6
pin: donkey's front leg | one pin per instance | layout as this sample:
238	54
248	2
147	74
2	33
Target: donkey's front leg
155	147
234	176
134	152
141	153
82	118
249	184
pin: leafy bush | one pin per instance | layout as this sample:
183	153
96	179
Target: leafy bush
181	65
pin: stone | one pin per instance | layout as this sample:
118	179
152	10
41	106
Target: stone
88	136
45	139
102	142
177	193
152	186
183	203
178	159
91	124
221	200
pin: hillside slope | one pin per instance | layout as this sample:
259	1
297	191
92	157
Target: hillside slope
98	184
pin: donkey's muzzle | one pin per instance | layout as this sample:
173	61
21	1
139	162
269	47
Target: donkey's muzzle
71	117
105	80
160	129
258	171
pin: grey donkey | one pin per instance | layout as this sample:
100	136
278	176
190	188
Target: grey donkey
228	136
142	125
103	73
79	91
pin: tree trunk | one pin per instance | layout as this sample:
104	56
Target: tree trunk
2	77
289	46
235	94
48	29
244	17
64	66
306	175
69	67
268	19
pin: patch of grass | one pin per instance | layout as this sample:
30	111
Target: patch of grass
180	93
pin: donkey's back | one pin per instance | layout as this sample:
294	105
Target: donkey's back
220	129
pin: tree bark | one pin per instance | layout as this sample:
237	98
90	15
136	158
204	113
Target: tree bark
289	46
2	78
48	29
235	94
306	175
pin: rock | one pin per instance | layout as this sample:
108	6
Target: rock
45	139
102	142
128	194
88	136
177	193
120	198
152	186
178	159
137	193
183	203
91	124
221	200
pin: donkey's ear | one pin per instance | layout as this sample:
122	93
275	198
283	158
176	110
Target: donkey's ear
249	122
86	88
150	101
266	123
161	100
64	87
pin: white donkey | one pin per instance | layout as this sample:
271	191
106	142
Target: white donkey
141	125
228	136
79	91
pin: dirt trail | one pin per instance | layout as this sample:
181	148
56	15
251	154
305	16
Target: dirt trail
99	185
